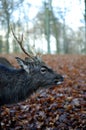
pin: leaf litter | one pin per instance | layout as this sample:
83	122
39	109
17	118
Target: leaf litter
61	107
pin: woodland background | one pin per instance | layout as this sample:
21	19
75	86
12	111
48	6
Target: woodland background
47	28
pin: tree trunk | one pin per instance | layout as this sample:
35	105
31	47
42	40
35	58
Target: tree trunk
85	26
55	29
0	44
47	27
7	35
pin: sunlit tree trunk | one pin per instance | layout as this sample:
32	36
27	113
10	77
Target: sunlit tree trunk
47	27
8	32
0	44
56	30
7	18
85	25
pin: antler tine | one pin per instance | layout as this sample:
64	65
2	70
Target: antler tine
20	43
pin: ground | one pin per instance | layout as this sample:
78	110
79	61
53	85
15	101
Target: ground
57	108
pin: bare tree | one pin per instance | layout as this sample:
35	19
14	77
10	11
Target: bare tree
85	24
6	9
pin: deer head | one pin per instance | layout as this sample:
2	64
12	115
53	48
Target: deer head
34	65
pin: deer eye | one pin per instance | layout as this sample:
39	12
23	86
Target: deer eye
43	70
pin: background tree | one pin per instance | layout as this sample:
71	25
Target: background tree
85	24
6	9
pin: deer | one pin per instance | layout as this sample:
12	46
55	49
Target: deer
5	62
17	84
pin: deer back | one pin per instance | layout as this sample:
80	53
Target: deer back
5	62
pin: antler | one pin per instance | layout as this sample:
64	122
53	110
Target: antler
20	43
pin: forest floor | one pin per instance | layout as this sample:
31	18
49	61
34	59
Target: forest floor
57	108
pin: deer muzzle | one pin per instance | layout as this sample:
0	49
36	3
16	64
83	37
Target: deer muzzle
58	80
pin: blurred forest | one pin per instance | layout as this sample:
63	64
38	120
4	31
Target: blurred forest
47	31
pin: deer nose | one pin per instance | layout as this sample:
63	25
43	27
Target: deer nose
58	79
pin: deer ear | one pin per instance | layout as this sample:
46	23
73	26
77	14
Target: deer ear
23	64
